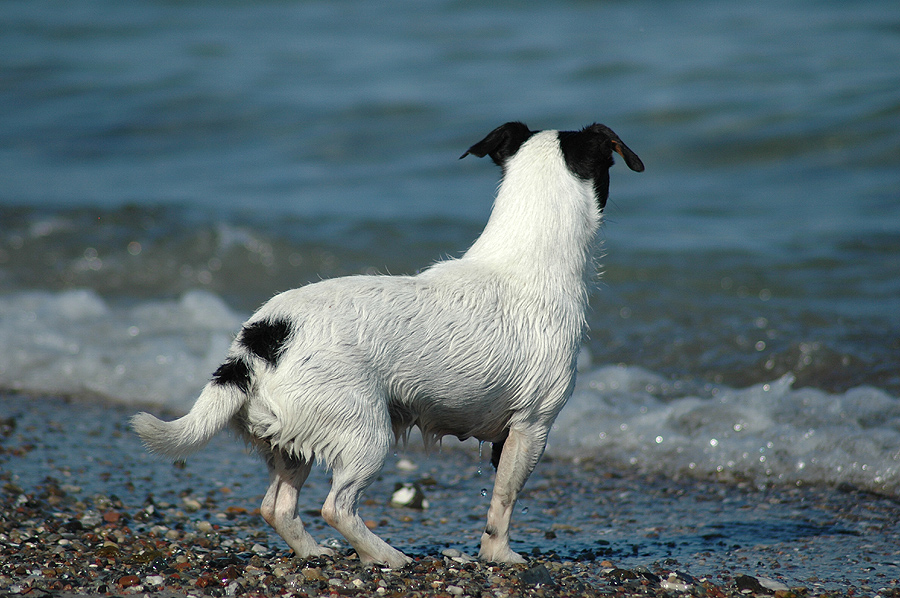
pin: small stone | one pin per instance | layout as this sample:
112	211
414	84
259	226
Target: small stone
620	575
108	550
772	584
455	590
748	585
675	583
204	527
227	574
536	576
410	496
312	574
406	465
91	519
191	505
128	581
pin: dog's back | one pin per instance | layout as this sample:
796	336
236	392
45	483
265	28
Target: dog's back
453	351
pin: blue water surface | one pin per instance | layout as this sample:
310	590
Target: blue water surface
148	148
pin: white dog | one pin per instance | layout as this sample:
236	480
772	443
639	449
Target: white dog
482	346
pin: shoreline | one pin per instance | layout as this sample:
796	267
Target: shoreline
86	511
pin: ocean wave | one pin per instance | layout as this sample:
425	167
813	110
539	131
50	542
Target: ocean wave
768	433
74	343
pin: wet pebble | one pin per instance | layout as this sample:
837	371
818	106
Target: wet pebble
204	527
536	576
410	496
678	582
748	585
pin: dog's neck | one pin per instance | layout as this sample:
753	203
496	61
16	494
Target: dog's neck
544	221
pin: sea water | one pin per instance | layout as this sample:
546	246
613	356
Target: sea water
166	168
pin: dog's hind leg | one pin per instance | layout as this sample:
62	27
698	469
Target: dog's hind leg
279	506
351	477
520	453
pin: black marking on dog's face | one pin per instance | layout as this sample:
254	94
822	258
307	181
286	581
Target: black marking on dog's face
501	143
234	371
266	339
588	154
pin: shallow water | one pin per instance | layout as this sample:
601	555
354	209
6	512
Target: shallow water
166	168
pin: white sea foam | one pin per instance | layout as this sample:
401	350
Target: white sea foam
74	343
765	433
163	352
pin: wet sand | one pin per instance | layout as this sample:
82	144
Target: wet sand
84	510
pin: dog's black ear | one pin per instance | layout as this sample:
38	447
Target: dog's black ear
501	143
631	158
618	146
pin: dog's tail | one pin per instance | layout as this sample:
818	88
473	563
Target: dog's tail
219	402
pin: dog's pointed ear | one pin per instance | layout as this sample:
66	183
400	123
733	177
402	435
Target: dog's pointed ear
501	143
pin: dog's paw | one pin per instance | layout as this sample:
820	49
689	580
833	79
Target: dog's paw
311	551
391	558
400	562
502	554
320	550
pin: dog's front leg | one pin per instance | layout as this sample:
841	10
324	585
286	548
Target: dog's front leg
521	452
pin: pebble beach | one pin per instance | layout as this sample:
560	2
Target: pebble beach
85	511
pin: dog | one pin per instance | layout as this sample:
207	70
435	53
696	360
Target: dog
482	346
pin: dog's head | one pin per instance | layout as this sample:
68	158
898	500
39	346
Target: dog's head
588	152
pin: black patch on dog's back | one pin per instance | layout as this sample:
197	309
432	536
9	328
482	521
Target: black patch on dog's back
266	339
234	371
